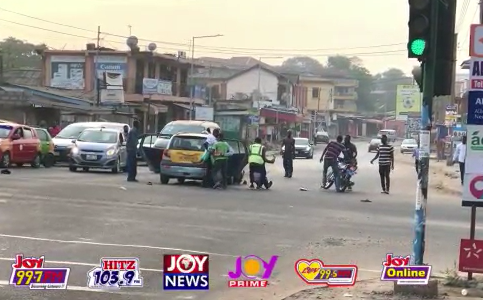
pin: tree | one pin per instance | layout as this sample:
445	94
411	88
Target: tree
20	54
353	67
302	64
386	84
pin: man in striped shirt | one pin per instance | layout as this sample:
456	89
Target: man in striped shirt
385	153
330	156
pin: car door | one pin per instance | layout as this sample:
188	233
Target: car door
18	151
238	160
152	153
31	144
122	149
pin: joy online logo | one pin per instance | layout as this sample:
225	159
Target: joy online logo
476	187
253	268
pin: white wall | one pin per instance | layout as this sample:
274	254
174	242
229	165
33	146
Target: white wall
248	82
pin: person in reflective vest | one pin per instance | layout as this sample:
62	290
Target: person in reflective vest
220	151
256	160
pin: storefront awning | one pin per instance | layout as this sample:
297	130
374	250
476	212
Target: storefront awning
280	115
184	106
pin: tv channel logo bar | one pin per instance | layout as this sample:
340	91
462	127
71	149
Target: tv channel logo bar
397	268
314	271
251	271
186	272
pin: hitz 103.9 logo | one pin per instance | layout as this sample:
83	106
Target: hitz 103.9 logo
114	273
186	272
256	271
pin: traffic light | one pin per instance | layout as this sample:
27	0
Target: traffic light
419	28
418	76
446	48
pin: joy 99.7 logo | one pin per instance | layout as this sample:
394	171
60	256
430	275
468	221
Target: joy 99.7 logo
256	271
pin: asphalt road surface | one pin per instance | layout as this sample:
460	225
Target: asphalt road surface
74	219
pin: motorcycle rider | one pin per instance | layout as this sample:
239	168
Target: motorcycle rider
330	157
256	160
350	155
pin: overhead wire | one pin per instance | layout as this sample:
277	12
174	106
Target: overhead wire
466	35
462	15
239	50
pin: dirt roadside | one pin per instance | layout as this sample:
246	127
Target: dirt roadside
442	178
372	289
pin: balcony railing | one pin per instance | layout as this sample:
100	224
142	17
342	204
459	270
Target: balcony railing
347	96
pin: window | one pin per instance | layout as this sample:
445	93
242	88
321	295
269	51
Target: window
121	138
98	136
27	133
42	135
315	92
341	90
234	145
19	132
5	131
339	104
187	143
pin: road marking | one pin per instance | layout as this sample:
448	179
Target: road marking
75	263
3	200
112	245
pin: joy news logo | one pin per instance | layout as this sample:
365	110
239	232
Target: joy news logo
186	272
256	271
397	268
476	191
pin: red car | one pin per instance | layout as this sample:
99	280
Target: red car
19	144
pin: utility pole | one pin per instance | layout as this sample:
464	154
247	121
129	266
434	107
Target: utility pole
96	60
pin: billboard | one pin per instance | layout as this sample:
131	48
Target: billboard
408	101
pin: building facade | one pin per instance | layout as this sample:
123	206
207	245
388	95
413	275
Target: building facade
345	95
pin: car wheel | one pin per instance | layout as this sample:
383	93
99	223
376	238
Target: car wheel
5	162
164	179
73	169
181	180
48	160
19	165
85	169
117	168
36	162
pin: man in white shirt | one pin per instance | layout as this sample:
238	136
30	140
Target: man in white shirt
459	156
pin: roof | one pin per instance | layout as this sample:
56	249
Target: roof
187	134
253	68
23	76
102	129
9	124
236	62
192	122
96	124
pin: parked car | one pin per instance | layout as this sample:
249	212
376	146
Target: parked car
153	153
408	145
303	148
181	159
99	148
19	144
46	147
390	133
63	140
374	144
322	137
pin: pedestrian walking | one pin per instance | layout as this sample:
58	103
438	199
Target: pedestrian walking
288	153
330	157
131	148
385	154
460	156
219	158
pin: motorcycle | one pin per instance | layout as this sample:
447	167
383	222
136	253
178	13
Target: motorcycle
346	172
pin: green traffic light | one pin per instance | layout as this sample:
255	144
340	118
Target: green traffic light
417	46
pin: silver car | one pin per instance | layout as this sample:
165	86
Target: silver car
99	148
409	145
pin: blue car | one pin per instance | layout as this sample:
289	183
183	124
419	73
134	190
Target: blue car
99	148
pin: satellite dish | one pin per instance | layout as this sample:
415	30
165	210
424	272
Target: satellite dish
152	47
132	42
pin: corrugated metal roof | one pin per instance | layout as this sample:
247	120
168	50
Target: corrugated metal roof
11	89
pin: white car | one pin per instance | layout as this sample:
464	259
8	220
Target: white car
408	145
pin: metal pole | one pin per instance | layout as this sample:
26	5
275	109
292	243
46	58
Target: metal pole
423	177
259	94
192	71
96	76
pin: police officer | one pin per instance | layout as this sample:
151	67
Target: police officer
256	160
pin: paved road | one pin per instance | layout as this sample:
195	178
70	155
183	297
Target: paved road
74	219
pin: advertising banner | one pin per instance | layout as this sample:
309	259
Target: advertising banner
153	86
67	72
113	91
111	64
451	115
408	101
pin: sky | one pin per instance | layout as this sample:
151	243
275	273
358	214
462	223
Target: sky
273	30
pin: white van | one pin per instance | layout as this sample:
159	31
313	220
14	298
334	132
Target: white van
63	140
390	133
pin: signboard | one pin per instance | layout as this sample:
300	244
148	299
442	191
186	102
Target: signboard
474	149
67	72
111	64
476	74
204	113
475	108
471	256
473	189
408	101
476	40
152	86
451	115
113	91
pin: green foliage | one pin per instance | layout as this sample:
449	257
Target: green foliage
386	83
20	54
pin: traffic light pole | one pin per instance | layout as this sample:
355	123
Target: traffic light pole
426	111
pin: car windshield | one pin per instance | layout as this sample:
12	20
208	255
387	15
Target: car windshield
187	143
410	141
98	136
301	142
375	141
170	130
5	131
71	132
